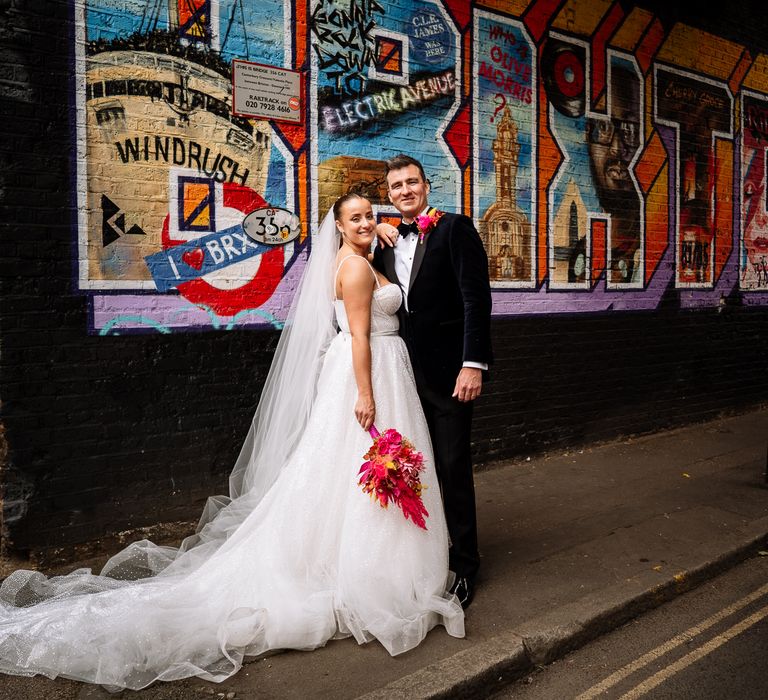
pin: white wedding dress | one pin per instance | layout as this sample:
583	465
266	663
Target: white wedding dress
310	560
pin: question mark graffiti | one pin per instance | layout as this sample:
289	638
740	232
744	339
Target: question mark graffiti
499	105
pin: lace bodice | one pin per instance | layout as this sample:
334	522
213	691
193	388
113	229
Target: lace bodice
386	302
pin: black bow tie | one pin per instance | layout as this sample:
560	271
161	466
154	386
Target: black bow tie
407	229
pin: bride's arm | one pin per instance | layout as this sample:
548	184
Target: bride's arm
357	286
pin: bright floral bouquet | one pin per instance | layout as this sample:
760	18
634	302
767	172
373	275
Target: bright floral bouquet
391	474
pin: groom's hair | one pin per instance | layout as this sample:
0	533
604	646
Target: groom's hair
403	161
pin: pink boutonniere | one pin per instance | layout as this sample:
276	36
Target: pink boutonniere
426	222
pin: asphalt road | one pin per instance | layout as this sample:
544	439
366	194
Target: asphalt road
709	644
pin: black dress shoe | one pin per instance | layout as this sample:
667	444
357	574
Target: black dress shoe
464	589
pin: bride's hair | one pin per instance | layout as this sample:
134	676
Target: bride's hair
341	201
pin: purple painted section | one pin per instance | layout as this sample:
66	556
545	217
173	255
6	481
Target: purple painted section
165	313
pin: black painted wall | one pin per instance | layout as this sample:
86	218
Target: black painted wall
572	379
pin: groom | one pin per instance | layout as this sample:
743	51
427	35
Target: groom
445	322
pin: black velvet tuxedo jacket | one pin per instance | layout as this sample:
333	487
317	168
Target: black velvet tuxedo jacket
449	302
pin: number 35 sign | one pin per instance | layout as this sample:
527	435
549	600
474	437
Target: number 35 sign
272	226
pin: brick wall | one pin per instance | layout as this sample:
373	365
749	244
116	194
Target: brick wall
612	157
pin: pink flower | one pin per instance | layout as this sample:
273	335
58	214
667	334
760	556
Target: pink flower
426	222
423	222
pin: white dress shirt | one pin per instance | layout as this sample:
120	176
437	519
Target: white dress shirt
405	249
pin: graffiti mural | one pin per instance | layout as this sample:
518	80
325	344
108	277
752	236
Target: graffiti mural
753	251
387	80
596	211
165	163
698	111
505	148
610	162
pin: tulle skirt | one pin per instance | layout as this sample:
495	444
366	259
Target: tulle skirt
311	560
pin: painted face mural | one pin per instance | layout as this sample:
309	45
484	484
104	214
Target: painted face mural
597	212
612	144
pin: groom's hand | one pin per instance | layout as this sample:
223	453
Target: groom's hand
469	384
386	234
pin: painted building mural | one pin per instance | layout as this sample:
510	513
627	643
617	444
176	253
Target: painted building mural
606	161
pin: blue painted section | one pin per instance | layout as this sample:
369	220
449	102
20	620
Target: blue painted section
204	255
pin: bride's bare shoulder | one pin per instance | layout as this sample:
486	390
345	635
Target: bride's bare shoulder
353	265
354	275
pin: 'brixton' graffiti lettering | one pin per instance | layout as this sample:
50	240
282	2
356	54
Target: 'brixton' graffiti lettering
753	257
697	109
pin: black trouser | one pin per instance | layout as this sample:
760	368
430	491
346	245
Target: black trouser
450	425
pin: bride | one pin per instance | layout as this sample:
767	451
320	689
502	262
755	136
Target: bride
298	554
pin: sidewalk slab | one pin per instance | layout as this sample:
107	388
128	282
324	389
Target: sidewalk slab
573	545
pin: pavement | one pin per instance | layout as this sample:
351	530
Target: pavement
573	543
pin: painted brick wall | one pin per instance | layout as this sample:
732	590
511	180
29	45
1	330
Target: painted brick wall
613	157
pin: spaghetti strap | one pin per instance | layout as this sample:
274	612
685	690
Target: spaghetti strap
342	261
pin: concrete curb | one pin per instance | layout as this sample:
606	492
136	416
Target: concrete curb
489	666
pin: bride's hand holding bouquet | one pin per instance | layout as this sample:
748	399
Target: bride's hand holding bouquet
365	410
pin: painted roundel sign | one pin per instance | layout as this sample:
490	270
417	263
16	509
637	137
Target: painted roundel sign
209	257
